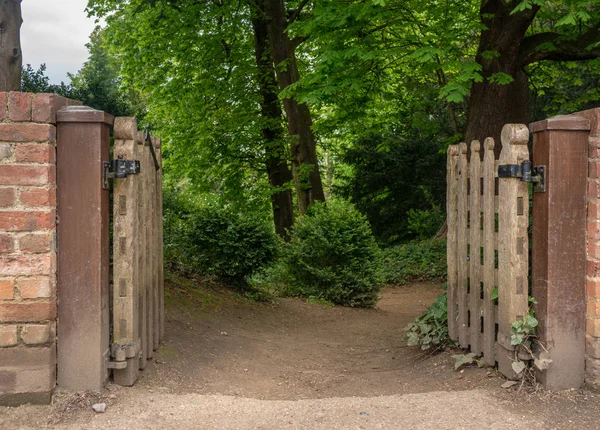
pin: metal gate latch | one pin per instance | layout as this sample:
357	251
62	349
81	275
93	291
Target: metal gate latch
527	173
119	169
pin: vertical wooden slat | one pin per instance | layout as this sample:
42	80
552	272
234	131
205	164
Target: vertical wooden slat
155	262
462	238
143	249
451	251
149	253
489	246
513	243
161	266
475	248
125	263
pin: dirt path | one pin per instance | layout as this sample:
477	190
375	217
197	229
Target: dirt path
231	363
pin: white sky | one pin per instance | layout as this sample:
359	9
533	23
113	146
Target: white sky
55	32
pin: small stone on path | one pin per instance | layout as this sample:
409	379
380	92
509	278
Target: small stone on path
99	407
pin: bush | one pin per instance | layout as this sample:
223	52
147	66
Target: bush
424	260
333	256
216	240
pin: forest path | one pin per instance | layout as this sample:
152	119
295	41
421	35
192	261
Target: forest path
231	363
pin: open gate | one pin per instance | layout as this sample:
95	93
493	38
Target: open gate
488	220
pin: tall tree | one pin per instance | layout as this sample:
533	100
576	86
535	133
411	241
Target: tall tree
309	187
510	41
11	58
278	169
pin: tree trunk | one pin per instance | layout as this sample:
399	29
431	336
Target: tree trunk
491	105
10	45
278	170
307	177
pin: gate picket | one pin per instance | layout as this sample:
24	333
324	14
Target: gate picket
462	245
451	254
513	244
475	249
489	247
125	265
143	250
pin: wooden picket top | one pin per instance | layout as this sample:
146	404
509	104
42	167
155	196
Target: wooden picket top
138	296
476	241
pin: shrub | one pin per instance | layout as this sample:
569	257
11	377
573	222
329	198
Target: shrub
424	260
216	240
333	256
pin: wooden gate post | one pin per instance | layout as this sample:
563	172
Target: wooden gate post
559	247
83	242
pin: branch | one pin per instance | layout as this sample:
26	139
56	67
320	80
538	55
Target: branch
297	12
567	50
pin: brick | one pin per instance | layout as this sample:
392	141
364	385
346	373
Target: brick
593	189
8	335
3	105
592	371
593	210
39	197
36	334
6	289
28	357
27	311
7	197
593	309
11	132
35	153
35	288
593	269
7	243
44	108
593	288
5	151
593	327
593	151
592	346
27	220
594	116
41	242
593	230
594	169
26	264
27	175
19	106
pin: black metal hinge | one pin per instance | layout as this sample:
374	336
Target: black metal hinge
118	169
527	173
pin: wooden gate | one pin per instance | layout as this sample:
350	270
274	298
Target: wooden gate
488	219
108	321
138	296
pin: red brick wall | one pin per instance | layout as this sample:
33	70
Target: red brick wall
28	246
593	251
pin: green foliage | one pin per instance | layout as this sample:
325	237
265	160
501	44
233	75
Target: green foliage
36	81
333	256
464	359
387	185
430	330
424	260
215	240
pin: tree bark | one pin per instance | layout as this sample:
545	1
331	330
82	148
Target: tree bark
491	105
10	45
276	153
305	167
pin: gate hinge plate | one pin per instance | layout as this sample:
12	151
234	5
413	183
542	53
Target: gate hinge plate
118	169
524	171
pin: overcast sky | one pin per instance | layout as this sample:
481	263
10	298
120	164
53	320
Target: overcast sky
55	32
